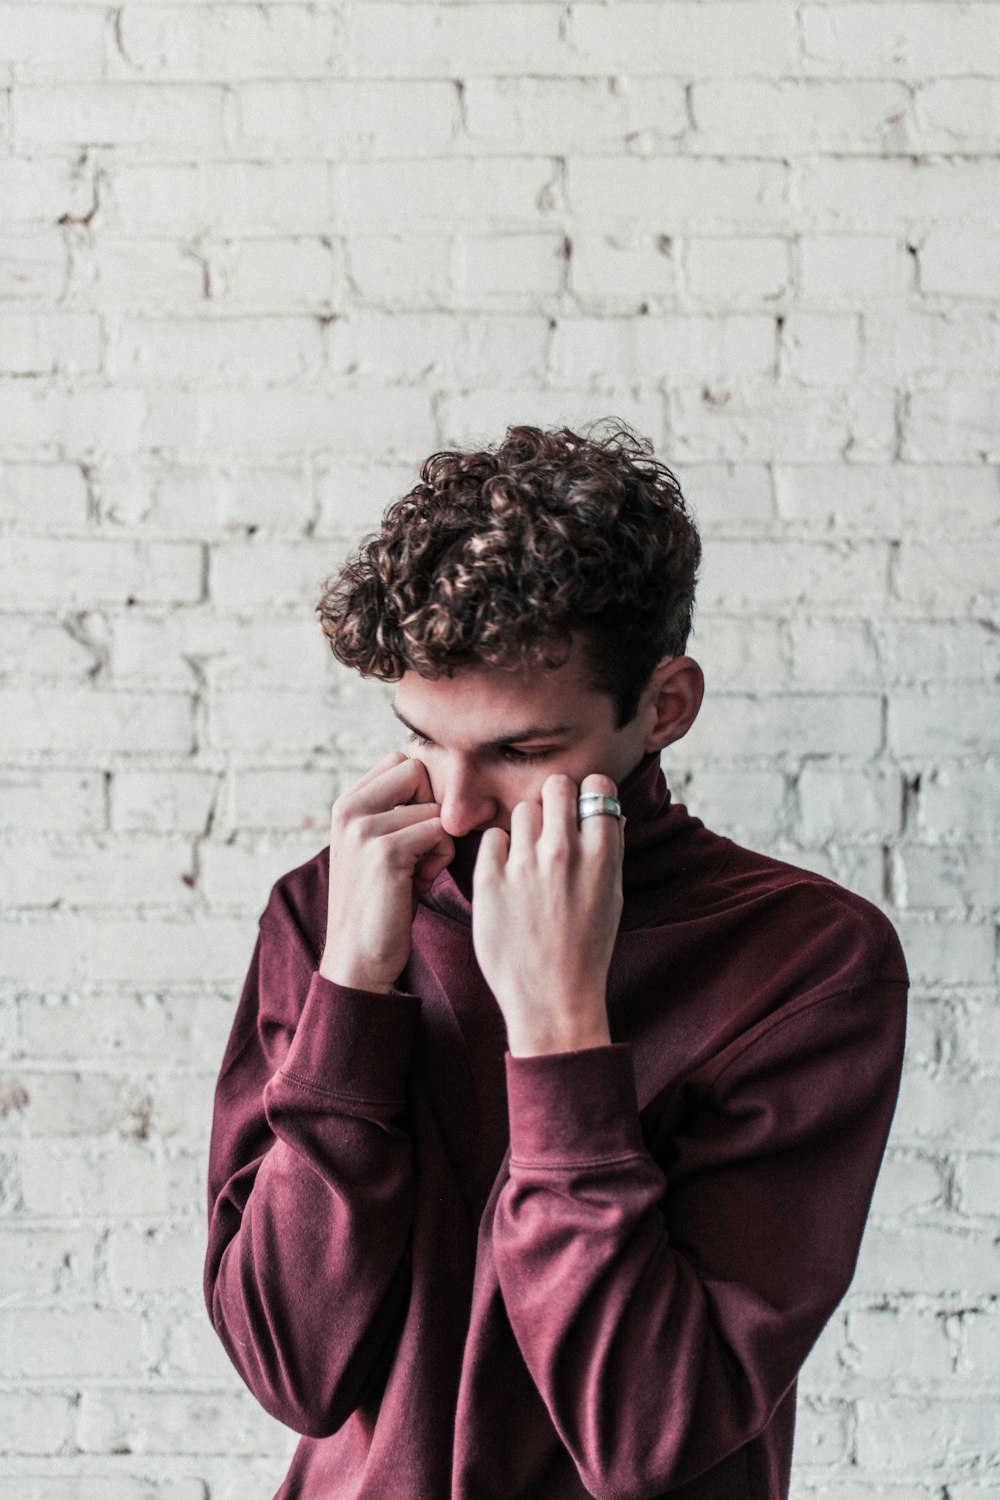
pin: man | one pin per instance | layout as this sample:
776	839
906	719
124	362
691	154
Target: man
545	1136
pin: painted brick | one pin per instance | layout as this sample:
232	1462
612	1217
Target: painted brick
79	721
177	500
951	953
283	423
846	803
46	1266
907	1186
424	40
222	197
239	874
95	873
37	343
505	193
140	1027
43	497
852	268
959	263
124	1180
744	804
220	351
783	118
505	272
537	114
172	121
730	272
913	1432
938	721
270	649
32	266
669	350
833	654
924	346
964	579
150	273
729	498
961	803
484	415
36	1421
764	423
892	500
762	574
734	657
841	191
669	192
52	801
43	42
948	879
177	802
981	1184
929	1260
345	119
442	348
155	1260
415	270
882	1335
821	349
39	571
352	497
899	40
643	37
150	1421
733	727
286	799
622	274
278	274
98	1341
227	42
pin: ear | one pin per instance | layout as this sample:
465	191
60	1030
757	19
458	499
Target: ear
672	700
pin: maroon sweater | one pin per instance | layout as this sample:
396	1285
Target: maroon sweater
463	1275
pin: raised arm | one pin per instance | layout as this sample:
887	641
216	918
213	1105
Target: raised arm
311	1170
664	1307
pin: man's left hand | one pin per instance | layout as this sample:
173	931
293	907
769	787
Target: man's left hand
547	900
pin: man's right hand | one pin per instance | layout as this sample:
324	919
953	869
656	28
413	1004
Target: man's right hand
387	847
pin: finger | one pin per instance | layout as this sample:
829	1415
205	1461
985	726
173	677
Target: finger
525	826
491	857
392	786
559	821
394	758
607	830
394	819
424	791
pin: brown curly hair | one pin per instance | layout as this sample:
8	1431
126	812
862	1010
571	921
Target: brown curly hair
497	557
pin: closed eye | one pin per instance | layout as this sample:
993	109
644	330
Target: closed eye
522	757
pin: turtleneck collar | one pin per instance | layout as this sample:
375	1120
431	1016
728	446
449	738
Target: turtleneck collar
645	799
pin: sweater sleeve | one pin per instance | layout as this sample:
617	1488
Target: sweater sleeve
310	1187
665	1300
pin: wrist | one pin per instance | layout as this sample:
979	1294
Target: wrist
539	1037
351	976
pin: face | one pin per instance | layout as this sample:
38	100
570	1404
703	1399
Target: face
550	720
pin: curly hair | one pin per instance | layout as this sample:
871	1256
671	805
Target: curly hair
497	557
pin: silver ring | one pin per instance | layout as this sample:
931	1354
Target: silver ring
589	804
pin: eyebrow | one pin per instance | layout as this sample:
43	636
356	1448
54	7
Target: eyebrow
531	732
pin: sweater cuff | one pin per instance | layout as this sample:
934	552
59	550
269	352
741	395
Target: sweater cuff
353	1042
567	1107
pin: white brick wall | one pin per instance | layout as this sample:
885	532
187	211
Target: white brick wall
256	260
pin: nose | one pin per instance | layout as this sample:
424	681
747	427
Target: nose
466	803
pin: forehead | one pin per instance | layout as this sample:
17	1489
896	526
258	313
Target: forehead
486	703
